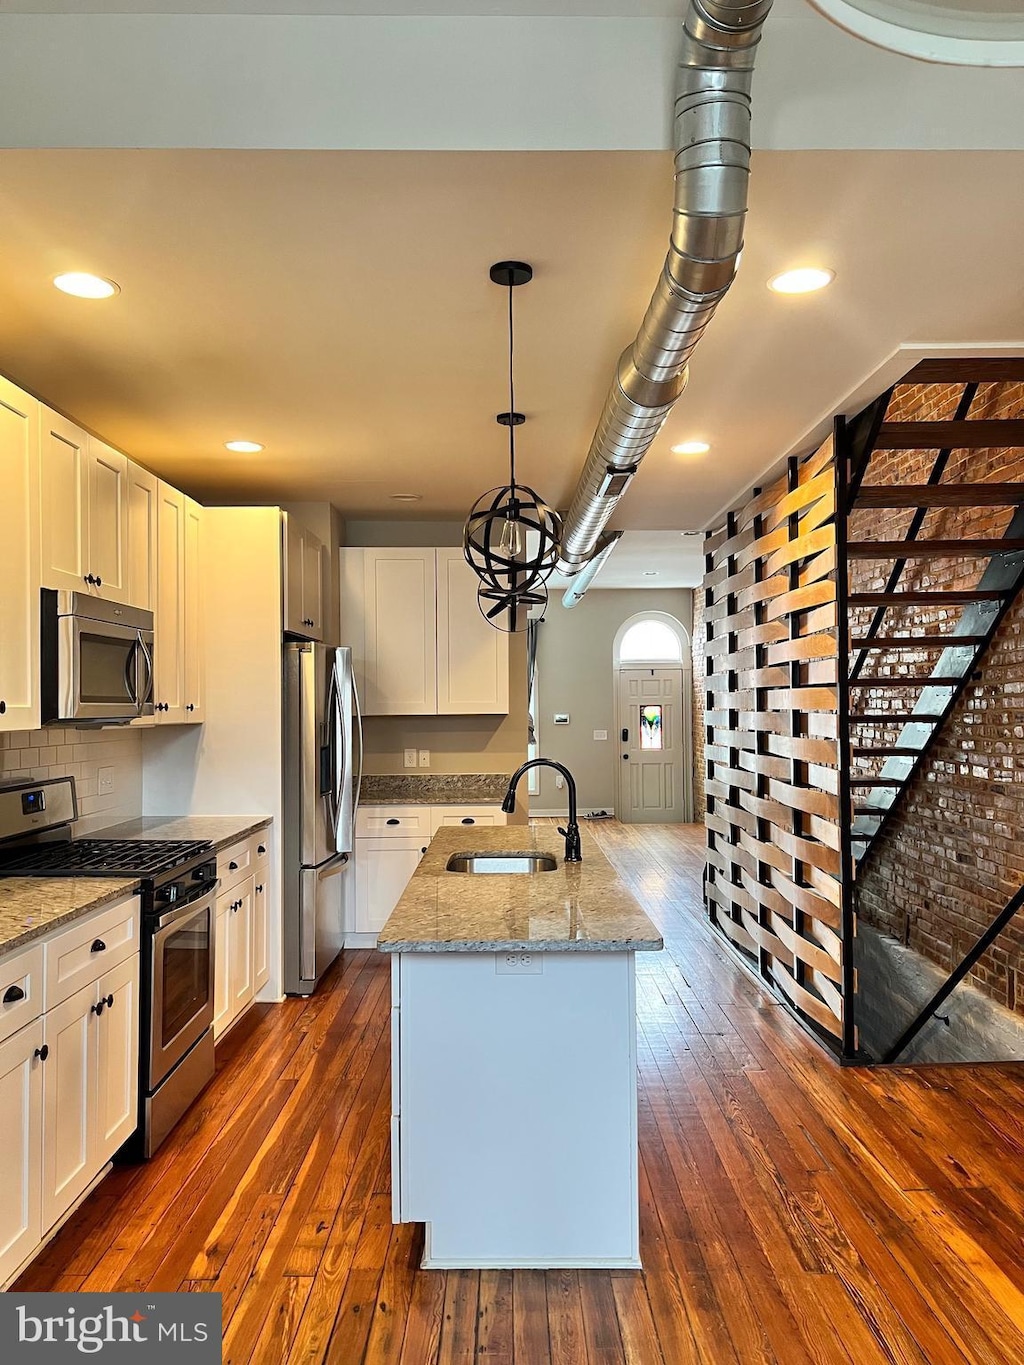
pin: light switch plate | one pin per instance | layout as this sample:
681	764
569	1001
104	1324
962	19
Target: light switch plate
424	758
410	758
600	734
105	781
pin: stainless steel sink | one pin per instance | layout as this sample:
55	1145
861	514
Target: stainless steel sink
501	862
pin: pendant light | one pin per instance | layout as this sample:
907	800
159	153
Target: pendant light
511	536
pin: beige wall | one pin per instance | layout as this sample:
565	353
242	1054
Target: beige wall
574	673
457	744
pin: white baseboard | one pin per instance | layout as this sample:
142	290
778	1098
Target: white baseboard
564	815
353	940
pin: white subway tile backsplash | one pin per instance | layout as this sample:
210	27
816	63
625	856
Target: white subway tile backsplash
32	755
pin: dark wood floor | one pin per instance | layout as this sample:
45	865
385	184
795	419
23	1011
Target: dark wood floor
791	1212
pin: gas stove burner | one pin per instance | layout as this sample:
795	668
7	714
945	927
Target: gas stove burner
101	858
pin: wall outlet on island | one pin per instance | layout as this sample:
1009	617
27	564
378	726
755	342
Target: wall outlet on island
519	964
410	758
424	758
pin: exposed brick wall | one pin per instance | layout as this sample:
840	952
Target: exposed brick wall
699	737
953	855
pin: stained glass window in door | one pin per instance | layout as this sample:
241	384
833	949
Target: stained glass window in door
650	727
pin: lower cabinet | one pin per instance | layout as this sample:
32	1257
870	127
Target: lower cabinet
21	1142
234	979
386	858
69	1075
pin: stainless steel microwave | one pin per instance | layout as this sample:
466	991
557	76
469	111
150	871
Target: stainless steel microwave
96	660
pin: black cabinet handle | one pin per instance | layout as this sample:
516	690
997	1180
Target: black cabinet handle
259	889
110	1000
42	1052
3	708
98	1009
468	820
98	946
13	993
190	707
423	849
99	582
232	867
394	822
89	578
262	848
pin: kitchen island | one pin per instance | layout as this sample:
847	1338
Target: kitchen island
513	1129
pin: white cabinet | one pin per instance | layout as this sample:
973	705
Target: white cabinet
234	963
69	1103
420	644
143	500
382	870
177	691
260	934
19	560
472	657
117	1060
390	841
84	513
303	586
21	1128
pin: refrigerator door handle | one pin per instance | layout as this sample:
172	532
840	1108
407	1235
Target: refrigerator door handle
359	726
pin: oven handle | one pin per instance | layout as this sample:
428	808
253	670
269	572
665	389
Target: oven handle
189	907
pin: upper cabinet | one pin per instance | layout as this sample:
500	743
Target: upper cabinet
303	587
143	494
420	644
177	691
19	560
85	499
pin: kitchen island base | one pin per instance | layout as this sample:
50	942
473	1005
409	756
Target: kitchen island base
514	1107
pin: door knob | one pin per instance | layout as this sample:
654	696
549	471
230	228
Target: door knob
626	757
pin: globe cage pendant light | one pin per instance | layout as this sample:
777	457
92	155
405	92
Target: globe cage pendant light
497	539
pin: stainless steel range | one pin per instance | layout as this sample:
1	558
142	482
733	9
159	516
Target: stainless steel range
177	884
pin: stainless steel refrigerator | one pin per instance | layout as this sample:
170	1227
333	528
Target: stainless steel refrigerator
321	722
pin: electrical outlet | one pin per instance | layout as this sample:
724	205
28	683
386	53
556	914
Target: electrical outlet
519	964
424	758
600	734
105	783
410	758
559	781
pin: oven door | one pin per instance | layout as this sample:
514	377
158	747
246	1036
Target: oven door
104	670
181	972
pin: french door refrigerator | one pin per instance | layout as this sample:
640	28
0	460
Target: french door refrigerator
321	711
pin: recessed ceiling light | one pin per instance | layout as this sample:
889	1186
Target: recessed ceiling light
691	448
243	447
406	497
84	286
650	573
689	533
802	281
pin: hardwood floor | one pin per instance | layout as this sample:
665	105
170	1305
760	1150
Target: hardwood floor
791	1212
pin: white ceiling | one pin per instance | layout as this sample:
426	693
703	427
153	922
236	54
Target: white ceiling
648	559
336	307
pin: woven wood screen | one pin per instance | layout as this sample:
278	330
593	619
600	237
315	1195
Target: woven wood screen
775	857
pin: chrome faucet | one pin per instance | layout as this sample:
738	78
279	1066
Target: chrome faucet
573	852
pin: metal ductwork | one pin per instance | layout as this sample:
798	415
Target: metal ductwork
712	138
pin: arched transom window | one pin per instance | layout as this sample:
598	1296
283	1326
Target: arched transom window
651	639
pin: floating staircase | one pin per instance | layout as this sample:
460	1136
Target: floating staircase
921	620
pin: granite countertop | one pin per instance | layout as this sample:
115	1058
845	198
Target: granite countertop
579	907
434	789
220	830
33	906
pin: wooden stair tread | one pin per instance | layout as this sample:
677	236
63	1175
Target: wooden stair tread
965	435
917	641
877	781
871	810
931	549
991	370
940	494
916	598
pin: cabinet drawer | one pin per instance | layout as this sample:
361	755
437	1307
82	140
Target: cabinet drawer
467	816
80	955
259	853
234	864
21	989
398	821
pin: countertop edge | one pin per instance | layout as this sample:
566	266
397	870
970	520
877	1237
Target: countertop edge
646	945
122	891
243	832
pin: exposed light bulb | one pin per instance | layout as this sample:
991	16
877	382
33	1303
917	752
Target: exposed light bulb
510	542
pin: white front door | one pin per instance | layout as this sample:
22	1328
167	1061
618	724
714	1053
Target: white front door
652	734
